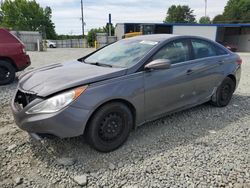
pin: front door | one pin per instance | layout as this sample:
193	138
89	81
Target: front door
170	89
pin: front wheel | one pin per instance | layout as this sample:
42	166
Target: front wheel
224	93
109	127
7	73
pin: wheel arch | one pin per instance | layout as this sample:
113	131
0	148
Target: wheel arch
9	60
124	101
233	78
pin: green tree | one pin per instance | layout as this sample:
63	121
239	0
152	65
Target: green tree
205	20
218	19
49	25
106	29
91	37
64	37
27	15
237	11
1	19
180	14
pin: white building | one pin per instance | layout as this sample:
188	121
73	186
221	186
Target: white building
234	34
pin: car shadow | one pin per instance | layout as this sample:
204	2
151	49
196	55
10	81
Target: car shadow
152	138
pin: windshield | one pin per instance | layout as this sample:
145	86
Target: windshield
124	53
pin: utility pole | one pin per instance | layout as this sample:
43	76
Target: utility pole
82	19
110	25
205	8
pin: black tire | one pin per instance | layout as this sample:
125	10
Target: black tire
7	72
51	46
224	93
109	127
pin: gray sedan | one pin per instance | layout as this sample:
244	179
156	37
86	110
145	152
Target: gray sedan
106	94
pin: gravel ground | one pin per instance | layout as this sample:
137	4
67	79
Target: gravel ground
200	147
57	55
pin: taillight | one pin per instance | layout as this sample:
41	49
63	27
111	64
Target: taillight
239	61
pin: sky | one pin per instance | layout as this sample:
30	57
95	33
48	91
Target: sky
66	14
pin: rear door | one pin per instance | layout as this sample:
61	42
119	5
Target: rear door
207	69
170	89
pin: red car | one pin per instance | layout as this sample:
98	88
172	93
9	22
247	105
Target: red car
13	57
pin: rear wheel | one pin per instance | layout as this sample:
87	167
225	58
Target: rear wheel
7	73
109	127
224	93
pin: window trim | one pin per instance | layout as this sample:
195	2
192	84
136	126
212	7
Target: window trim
192	58
213	45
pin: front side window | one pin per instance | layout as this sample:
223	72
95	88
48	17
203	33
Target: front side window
203	49
124	53
176	52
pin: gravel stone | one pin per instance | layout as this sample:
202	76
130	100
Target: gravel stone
120	164
18	180
11	147
95	175
131	186
66	161
111	166
212	131
81	180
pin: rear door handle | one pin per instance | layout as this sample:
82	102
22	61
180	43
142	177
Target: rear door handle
221	62
189	71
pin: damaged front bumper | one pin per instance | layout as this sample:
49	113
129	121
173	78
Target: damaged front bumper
69	122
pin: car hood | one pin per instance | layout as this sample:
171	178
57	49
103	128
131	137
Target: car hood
54	78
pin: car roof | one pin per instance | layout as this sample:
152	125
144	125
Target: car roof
154	37
164	37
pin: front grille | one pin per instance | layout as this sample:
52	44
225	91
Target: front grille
23	99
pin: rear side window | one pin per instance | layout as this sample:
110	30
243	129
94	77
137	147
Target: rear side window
220	51
176	52
203	49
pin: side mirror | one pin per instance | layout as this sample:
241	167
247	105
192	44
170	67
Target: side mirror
158	64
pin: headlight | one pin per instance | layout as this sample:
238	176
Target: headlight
58	102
